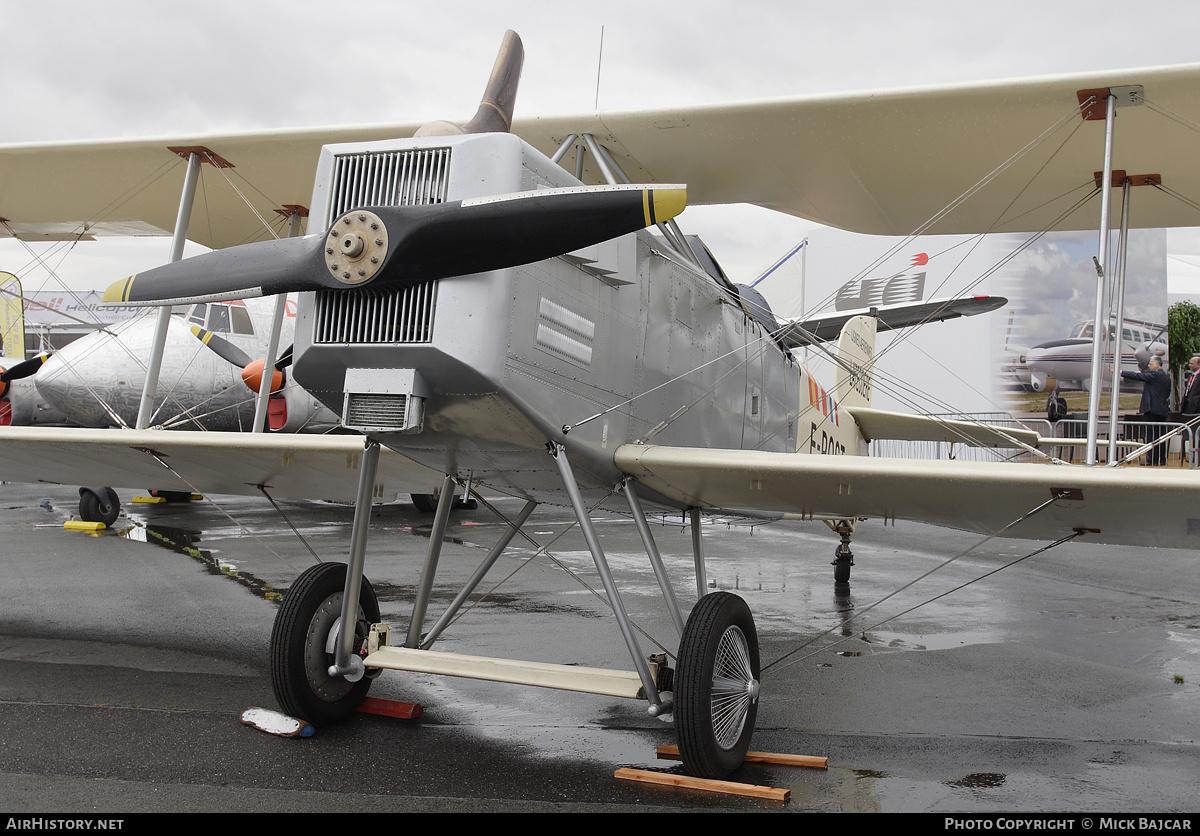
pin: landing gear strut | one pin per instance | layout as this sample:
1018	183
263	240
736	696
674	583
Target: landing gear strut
1056	407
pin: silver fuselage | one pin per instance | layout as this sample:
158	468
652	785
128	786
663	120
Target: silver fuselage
500	362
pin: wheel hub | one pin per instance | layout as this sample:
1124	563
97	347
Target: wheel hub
317	660
734	687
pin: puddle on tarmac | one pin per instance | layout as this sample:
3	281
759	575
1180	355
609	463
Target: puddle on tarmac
976	780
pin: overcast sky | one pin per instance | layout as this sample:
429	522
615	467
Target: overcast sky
86	70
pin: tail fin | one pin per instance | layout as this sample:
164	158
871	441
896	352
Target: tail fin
856	361
12	318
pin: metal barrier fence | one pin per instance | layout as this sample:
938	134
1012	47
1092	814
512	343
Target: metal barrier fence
1176	442
1176	445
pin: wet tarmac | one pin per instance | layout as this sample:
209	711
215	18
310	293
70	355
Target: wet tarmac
1067	682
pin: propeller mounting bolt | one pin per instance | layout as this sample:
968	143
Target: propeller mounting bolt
352	246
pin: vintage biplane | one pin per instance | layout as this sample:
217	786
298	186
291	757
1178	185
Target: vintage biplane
489	301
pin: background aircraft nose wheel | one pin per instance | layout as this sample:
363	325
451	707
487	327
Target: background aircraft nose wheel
1056	408
99	505
427	503
716	686
299	661
843	559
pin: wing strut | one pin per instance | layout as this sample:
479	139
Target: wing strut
1118	340
295	213
657	705
1113	97
146	409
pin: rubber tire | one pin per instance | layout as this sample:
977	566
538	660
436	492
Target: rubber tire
426	503
314	603
94	509
173	496
841	570
703	756
1056	409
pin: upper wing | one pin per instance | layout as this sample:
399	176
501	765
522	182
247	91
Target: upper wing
130	187
1135	506
880	162
884	162
828	326
287	465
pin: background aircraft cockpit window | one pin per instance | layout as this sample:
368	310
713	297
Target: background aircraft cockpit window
242	323
196	314
224	319
218	319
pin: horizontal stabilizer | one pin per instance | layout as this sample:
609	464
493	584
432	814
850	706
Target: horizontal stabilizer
407	245
825	327
877	424
973	496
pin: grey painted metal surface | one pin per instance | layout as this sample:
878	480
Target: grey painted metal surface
516	354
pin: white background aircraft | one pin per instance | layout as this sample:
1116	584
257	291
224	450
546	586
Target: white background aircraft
97	380
904	195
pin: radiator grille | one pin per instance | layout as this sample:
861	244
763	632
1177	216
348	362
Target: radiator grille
375	411
369	315
390	178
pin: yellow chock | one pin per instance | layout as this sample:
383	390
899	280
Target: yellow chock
81	525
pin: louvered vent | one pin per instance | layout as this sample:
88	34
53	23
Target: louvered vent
391	178
376	411
375	316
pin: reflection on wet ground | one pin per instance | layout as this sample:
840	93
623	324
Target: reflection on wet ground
1050	683
771	566
185	541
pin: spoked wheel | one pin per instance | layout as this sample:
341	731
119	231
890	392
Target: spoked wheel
716	686
299	642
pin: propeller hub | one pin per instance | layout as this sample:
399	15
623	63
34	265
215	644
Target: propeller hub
352	246
356	246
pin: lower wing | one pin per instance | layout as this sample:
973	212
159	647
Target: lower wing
294	466
1135	506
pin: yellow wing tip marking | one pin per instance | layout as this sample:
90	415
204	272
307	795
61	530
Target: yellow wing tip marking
119	291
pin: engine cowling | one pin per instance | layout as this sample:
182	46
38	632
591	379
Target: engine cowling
1041	383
